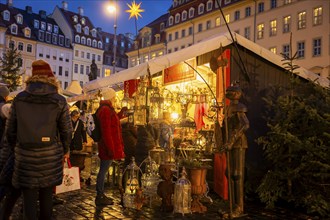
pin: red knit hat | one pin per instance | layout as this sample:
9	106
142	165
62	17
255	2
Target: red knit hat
41	68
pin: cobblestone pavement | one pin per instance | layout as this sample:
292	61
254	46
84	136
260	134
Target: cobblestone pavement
80	205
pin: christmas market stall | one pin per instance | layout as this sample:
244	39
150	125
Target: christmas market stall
186	137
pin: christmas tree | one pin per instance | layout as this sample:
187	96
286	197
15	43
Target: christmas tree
10	65
297	145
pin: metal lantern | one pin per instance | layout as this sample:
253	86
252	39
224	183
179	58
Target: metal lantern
131	183
182	194
157	154
150	177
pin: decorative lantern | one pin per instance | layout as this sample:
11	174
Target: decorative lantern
157	154
182	194
150	177
131	183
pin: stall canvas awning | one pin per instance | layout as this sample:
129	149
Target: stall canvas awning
203	47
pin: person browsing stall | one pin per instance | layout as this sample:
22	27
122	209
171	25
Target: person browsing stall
111	146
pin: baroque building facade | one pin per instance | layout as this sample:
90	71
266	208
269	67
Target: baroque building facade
267	23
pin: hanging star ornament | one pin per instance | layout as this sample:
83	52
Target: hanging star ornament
134	10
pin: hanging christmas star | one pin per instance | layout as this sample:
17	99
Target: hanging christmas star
134	10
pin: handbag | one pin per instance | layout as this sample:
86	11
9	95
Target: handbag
71	179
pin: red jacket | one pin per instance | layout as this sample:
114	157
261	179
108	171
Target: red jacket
111	146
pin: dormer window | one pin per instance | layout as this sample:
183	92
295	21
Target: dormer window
55	29
175	3
49	27
184	15
191	12
27	32
83	21
201	9
94	33
6	15
36	24
94	43
13	29
86	30
19	19
99	45
83	40
75	19
78	28
162	27
43	26
170	21
89	42
209	5
177	18
54	39
77	39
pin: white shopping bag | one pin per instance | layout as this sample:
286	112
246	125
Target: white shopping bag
71	179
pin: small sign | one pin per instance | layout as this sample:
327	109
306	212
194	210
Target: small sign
45	139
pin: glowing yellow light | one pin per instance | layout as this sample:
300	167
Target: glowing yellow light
111	8
134	10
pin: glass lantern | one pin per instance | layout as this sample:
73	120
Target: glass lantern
95	164
150	178
182	194
131	183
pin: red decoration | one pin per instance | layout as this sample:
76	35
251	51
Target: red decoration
130	87
180	72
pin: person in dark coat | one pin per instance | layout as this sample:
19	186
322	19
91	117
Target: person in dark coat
40	131
10	194
4	93
79	140
147	138
129	138
79	137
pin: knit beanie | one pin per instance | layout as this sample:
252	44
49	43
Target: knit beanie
108	94
4	91
41	68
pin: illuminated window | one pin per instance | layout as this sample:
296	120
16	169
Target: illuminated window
273	50
317	16
301	20
227	17
107	72
217	22
260	31
273	28
287	24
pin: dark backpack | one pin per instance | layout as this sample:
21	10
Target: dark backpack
93	125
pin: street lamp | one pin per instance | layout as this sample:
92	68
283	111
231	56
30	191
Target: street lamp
113	10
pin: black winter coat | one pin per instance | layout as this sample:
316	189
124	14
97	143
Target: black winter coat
39	128
79	135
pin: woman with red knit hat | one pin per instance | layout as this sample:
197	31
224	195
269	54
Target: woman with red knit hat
39	129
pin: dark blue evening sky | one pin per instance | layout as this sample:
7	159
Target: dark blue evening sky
95	10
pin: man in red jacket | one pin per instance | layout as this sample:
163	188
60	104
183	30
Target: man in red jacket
111	145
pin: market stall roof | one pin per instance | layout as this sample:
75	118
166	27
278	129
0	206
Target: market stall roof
205	46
